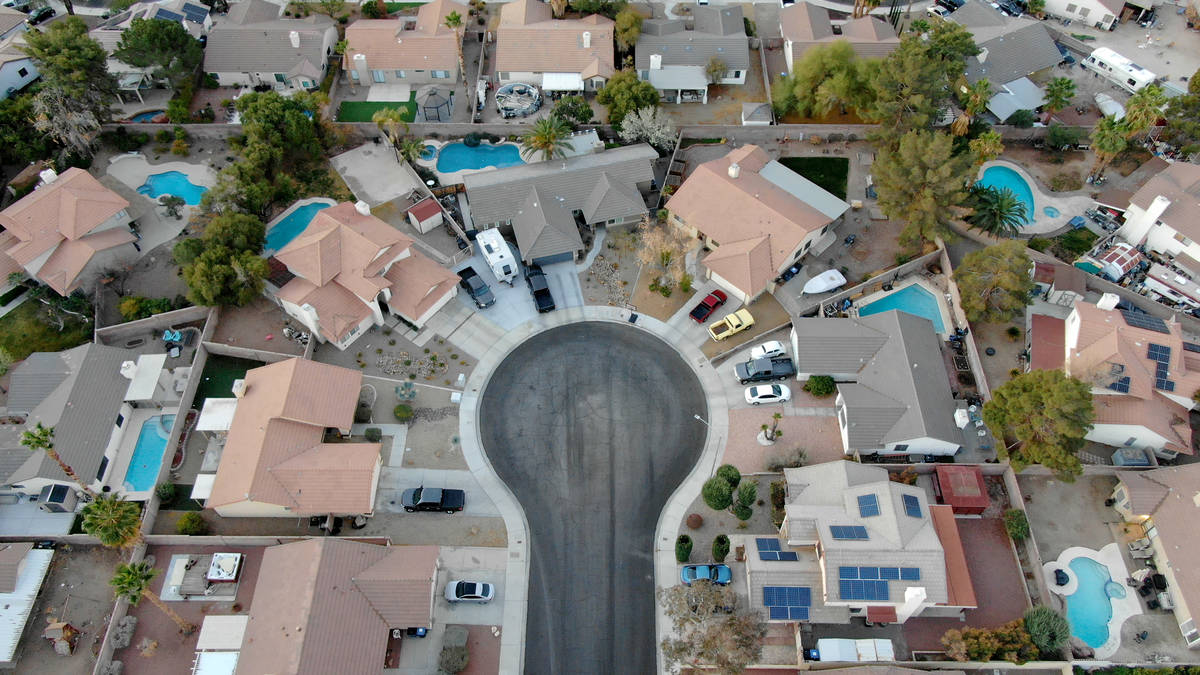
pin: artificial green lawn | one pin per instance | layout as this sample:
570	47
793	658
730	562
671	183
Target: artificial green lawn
23	331
828	172
361	111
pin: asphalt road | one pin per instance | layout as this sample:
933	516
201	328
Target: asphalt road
591	427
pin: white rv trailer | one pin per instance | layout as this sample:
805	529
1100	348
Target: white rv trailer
498	255
1119	70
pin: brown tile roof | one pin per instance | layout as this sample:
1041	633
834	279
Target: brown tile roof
63	268
1048	342
1158	414
1144	492
530	40
310	617
338	310
1179	182
282	415
12	554
418	283
429	45
959	588
808	25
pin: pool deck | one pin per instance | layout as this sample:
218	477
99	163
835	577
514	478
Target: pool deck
1069	205
288	211
939	295
1122	608
120	464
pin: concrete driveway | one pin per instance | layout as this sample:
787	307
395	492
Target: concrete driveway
470	564
590	425
393	482
514	304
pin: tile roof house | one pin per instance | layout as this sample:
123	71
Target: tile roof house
860	544
758	217
1099	13
348	270
675	59
1161	216
546	202
554	54
805	25
276	461
252	45
408	50
893	389
330	605
193	16
1058	283
1164	505
17	69
54	232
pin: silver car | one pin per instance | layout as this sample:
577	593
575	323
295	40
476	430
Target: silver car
768	393
469	591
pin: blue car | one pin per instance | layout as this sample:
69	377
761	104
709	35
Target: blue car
717	574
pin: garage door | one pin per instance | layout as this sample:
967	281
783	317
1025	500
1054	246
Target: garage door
551	259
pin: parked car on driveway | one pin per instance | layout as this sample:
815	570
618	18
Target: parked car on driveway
768	393
474	285
469	591
708	305
433	499
539	288
761	370
39	15
768	350
731	325
717	574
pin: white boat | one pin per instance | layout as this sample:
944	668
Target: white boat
824	282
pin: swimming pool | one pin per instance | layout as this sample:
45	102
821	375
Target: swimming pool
147	116
912	299
148	453
458	157
1089	608
1001	177
429	152
172	183
282	233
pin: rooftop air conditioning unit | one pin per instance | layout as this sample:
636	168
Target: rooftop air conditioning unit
57	499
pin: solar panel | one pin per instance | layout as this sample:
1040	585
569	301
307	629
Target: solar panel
1140	320
768	555
868	572
847	572
169	15
768	544
788	555
868	505
850	589
1191	347
195	13
910	573
798	613
1165	385
787	603
912	506
892	573
779	613
1120	386
848	532
1159	353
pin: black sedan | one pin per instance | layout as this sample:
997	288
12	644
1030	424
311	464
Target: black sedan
474	285
539	288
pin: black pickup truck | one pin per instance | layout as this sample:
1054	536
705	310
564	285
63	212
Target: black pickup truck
761	370
433	499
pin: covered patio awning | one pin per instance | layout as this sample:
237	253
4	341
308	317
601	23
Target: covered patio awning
1020	94
203	488
217	414
678	77
881	614
562	82
221	633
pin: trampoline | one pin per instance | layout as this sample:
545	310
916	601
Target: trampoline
518	99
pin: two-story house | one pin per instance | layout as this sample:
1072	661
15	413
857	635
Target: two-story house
408	50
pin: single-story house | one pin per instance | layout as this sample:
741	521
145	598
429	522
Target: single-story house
252	45
558	55
1099	13
675	59
406	50
805	25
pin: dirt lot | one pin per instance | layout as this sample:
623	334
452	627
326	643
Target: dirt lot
610	278
810	438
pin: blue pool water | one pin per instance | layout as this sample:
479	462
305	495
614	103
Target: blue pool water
148	453
1089	608
282	233
457	157
147	116
1051	211
912	299
429	152
1000	177
172	183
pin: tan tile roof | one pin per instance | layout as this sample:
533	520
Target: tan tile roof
63	268
282	415
530	40
1179	182
1144	492
310	617
430	45
11	556
808	25
418	283
1157	413
7	264
338	310
746	264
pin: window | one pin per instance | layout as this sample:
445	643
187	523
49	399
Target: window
399	74
503	76
280	78
120	419
824	229
1107	19
1084	11
737	74
643	74
306	84
378	76
440	74
1182	239
103	466
912	506
868	505
1071	7
23	72
1188	628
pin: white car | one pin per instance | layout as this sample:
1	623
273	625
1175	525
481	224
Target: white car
469	591
768	393
768	350
935	10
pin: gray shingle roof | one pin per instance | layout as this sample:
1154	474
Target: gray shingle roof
496	196
544	227
835	346
34	379
1013	47
611	199
719	32
265	46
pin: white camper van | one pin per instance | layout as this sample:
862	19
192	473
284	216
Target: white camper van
498	255
1119	70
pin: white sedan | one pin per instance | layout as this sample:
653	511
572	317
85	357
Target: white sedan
469	591
768	350
768	393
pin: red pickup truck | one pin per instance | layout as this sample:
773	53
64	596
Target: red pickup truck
708	305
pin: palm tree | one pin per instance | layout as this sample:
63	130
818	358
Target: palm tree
42	438
1144	109
559	7
115	522
997	212
1059	93
132	582
1108	141
454	22
986	146
974	99
410	148
863	7
547	136
390	121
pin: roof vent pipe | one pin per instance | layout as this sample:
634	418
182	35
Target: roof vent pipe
734	170
362	207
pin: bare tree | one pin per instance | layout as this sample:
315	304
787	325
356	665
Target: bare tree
710	629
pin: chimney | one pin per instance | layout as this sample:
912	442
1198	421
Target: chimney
1108	301
294	37
48	176
239	388
362	207
656	62
1157	207
734	170
587	40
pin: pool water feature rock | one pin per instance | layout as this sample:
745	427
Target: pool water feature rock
1001	177
172	183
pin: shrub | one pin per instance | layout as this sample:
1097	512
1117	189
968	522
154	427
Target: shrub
717	493
1009	642
192	524
1039	244
747	492
1016	524
1021	119
820	386
452	659
163	136
180	148
683	548
720	548
731	475
373	434
1013	333
403	412
1048	630
742	512
166	491
695	521
362	413
471	140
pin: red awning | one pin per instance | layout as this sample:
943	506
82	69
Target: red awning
886	614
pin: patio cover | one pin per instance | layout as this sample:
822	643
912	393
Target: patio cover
145	377
562	82
678	77
882	614
217	414
222	633
215	663
1020	94
204	485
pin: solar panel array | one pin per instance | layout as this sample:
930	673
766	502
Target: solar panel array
868	505
858	589
1191	347
195	13
1141	320
1121	385
848	532
885	573
168	15
769	548
912	506
1161	356
787	602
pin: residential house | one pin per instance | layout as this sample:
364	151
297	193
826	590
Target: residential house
96	398
545	203
755	215
59	230
17	70
894	394
331	606
805	25
856	544
349	270
675	59
1161	216
1099	13
408	50
1164	505
558	55
1011	50
23	568
193	16
278	461
1059	284
252	45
